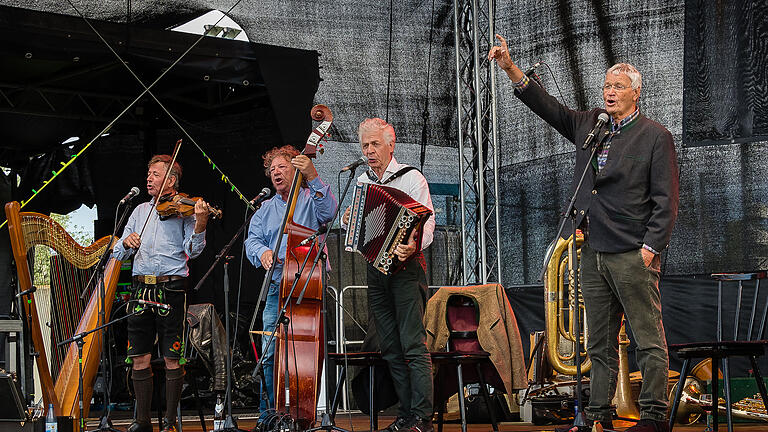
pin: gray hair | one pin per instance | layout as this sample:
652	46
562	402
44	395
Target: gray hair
634	75
374	125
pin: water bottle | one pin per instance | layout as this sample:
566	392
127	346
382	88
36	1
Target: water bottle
218	414
50	420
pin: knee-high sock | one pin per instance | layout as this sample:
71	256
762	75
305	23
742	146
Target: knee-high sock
142	386
174	380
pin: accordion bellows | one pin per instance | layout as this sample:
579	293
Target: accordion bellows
382	218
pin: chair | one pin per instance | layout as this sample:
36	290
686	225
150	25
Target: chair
463	349
721	350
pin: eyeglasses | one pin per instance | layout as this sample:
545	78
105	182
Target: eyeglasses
617	87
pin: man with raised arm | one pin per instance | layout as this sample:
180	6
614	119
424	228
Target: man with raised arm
627	208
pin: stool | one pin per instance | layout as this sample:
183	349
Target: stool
364	359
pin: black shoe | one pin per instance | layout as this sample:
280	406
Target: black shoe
400	424
139	427
168	426
648	425
567	428
420	425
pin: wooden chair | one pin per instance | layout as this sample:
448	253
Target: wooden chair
721	350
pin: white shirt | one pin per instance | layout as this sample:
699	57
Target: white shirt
415	185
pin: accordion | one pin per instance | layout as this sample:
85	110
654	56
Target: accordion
382	218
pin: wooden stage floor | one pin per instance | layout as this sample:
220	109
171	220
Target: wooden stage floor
358	422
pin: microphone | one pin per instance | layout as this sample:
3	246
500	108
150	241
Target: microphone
602	119
264	194
355	164
153	303
134	191
320	231
27	292
531	69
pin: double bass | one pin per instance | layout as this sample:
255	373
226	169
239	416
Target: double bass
299	349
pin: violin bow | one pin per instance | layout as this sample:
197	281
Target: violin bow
162	187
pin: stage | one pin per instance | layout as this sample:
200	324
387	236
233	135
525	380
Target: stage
358	422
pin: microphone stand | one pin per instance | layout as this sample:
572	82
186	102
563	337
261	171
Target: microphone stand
579	424
105	424
79	338
230	423
327	422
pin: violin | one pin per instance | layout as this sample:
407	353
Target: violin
181	205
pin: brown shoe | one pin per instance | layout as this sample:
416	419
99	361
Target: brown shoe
648	425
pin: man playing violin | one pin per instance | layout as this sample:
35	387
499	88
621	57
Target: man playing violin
161	248
315	206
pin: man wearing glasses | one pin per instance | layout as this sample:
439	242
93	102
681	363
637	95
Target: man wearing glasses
627	208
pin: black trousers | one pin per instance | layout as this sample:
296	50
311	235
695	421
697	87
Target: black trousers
397	302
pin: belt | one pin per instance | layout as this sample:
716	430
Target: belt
152	279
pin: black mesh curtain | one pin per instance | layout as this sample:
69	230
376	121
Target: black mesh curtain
704	78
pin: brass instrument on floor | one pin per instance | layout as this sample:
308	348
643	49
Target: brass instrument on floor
694	398
559	298
626	406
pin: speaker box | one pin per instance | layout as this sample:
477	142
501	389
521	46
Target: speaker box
12	406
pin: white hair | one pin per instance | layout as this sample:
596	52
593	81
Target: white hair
625	68
374	125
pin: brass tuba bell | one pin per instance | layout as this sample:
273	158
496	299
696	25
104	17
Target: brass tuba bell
560	310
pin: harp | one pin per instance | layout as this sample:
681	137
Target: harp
26	231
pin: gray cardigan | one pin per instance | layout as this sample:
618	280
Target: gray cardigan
633	200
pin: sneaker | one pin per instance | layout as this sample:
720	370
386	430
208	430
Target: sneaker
648	425
421	425
400	424
168	426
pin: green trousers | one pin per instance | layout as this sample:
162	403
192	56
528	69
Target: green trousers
614	284
397	302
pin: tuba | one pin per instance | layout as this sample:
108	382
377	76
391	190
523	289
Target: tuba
560	308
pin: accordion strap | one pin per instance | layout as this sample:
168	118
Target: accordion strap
402	171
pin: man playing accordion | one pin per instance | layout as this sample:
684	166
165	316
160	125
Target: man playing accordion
397	300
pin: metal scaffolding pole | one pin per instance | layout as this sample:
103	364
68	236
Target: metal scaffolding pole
478	141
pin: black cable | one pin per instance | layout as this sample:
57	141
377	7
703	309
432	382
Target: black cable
389	61
562	99
425	114
240	283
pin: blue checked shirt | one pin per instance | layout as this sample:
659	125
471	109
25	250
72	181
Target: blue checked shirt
315	206
165	245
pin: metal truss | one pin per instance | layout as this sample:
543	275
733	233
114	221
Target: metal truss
478	143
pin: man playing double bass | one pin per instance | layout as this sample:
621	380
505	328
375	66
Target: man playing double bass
315	206
627	211
160	275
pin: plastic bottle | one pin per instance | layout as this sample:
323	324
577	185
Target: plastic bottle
50	420
218	414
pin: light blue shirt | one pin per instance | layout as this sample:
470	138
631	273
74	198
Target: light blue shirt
165	245
312	210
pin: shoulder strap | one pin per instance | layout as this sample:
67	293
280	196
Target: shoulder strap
402	171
